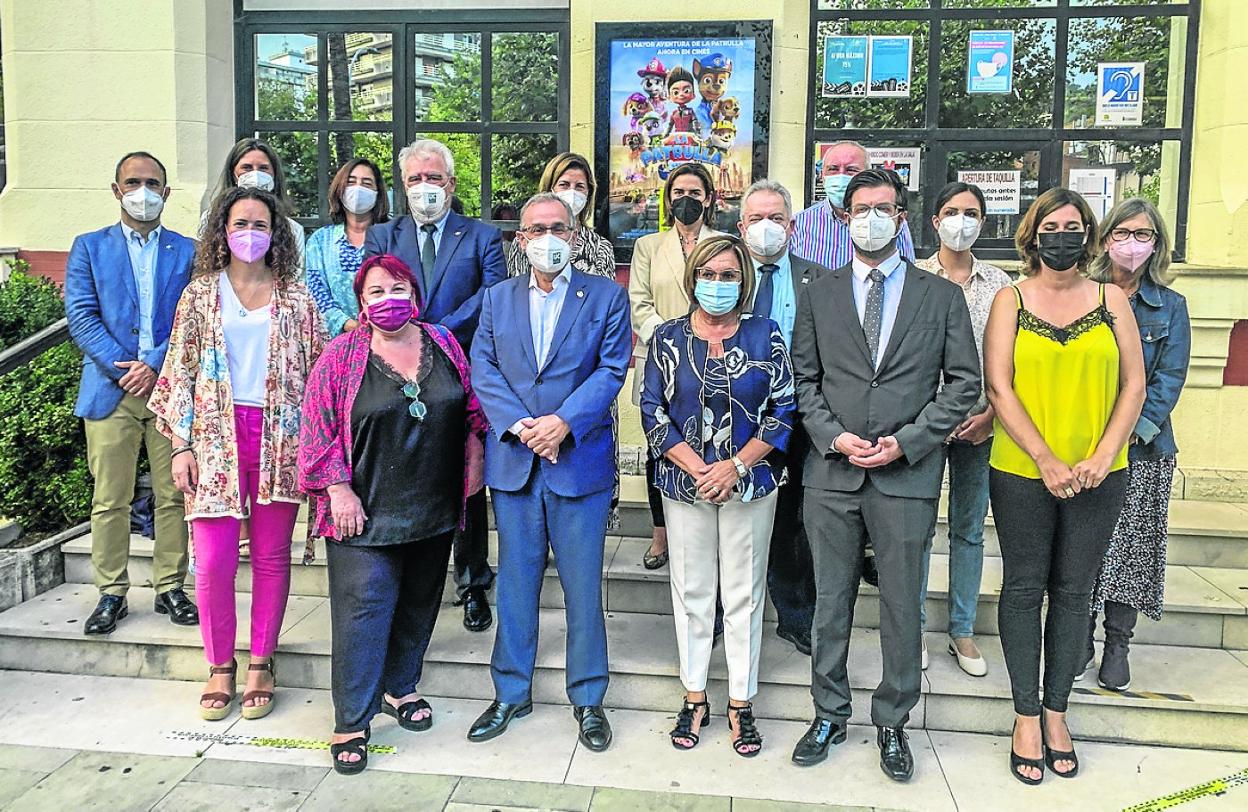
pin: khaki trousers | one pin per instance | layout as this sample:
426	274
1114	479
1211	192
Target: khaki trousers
113	446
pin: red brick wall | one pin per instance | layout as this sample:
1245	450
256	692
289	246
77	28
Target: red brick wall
50	264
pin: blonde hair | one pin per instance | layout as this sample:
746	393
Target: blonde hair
1158	266
712	247
562	163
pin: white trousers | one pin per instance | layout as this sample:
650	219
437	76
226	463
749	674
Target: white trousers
722	546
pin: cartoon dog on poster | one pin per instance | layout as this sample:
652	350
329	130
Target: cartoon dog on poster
712	75
726	109
652	128
654	85
635	106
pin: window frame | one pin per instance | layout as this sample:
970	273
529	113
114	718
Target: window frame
936	142
403	27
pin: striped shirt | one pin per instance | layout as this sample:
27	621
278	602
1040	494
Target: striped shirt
823	238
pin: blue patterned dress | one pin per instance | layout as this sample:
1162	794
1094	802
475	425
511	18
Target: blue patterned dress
332	262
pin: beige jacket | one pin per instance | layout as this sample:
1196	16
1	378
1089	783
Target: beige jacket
656	284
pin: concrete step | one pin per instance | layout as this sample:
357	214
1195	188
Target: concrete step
1189	697
1205	606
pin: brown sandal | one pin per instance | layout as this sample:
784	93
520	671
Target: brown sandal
211	714
259	711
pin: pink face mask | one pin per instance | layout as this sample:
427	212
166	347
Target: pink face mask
249	245
1130	254
390	313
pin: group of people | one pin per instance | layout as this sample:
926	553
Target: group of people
803	384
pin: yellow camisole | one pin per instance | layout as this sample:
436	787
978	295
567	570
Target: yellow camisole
1067	379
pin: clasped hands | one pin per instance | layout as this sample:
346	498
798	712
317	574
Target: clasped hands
139	379
864	453
543	435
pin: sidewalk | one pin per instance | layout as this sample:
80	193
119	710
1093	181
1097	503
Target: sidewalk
77	743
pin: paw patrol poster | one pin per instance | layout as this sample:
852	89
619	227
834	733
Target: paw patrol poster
670	101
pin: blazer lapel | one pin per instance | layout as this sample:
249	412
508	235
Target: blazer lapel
674	260
520	311
407	244
452	232
166	253
118	237
912	294
843	303
573	301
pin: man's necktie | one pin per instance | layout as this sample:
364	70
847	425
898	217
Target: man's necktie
762	299
873	318
428	256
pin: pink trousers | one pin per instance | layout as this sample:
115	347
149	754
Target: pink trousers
216	557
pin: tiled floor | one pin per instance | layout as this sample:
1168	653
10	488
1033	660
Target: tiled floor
74	742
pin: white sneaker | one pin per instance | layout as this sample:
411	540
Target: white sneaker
925	654
976	666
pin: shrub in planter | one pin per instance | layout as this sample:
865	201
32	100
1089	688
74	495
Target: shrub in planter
44	482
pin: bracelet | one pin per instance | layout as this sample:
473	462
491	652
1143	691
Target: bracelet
178	451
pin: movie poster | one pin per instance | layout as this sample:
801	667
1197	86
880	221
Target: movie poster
672	101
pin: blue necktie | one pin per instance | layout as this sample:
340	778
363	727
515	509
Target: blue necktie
766	282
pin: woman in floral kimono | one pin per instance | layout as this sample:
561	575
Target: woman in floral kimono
244	339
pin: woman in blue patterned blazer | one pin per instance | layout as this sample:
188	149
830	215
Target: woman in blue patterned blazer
718	406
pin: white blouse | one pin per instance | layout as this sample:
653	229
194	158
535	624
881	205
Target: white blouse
246	345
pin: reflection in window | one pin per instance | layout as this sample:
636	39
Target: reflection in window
361	76
1031	102
297	151
875	112
1151	40
1109	171
447	77
516	163
1024	161
525	76
285	77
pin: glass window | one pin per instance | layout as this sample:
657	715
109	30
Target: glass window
517	162
1031	102
874	112
361	76
525	76
1026	162
466	149
1158	42
285	87
446	74
298	151
1106	172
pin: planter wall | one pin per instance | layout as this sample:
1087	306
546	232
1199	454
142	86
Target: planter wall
29	571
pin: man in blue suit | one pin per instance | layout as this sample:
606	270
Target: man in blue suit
455	259
548	361
122	285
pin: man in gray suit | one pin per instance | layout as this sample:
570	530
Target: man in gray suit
873	342
767	227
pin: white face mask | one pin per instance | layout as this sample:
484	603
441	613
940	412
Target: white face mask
358	199
959	232
143	204
872	231
766	238
256	179
575	199
548	253
426	202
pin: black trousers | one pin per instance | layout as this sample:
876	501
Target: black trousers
652	494
472	548
1052	547
383	604
839	525
790	569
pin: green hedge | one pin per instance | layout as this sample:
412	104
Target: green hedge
44	483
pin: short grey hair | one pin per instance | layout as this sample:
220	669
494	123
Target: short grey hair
548	197
848	143
423	148
768	185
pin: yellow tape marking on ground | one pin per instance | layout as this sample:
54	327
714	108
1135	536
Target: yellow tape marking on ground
1218	786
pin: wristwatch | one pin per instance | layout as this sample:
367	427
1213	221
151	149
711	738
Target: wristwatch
740	466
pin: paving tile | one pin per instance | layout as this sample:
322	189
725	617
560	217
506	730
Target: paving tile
246	774
523	794
116	782
629	800
755	805
455	806
192	796
1231	582
31	757
13	783
1242	656
384	790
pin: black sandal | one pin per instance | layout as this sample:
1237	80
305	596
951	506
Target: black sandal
357	746
653	562
1051	756
403	714
1017	761
684	723
748	732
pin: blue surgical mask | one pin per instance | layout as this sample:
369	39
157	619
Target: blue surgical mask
717	298
834	187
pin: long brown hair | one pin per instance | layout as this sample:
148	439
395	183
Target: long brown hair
213	253
708	187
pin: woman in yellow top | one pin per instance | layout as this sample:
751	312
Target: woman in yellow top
1066	398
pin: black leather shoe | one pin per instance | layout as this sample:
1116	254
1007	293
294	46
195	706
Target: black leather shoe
495	720
895	758
595	729
108	611
800	640
870	575
178	607
477	614
813	747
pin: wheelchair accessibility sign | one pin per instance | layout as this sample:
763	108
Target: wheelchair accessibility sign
1119	94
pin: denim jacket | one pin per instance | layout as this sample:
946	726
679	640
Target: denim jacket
1166	335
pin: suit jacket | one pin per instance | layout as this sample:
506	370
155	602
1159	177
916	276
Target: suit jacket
804	272
469	259
656	283
102	305
838	390
583	374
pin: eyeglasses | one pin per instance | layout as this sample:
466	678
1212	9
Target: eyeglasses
416	409
436	178
1140	234
884	209
558	229
708	275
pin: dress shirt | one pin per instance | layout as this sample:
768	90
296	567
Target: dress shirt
894	271
544	310
822	237
439	226
783	299
143	256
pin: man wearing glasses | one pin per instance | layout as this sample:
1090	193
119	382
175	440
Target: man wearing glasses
548	361
872	344
455	259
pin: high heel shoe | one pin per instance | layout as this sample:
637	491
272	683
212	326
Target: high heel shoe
1017	761
684	723
1052	756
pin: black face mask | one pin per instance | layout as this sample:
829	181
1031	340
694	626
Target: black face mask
1061	250
687	210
